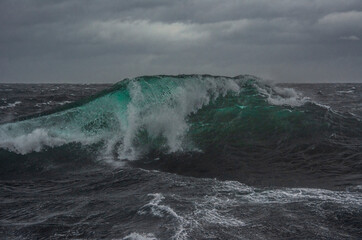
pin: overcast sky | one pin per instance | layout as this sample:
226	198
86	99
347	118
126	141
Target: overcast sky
87	41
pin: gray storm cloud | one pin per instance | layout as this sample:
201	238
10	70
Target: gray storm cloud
104	41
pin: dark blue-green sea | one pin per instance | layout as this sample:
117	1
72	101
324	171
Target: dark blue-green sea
181	157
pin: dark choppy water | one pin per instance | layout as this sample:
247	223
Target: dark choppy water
187	157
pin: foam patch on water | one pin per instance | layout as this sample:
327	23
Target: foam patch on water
138	236
244	193
230	206
305	194
52	103
159	210
206	212
282	96
11	105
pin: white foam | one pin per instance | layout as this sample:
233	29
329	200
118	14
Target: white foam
45	103
213	216
244	193
70	126
34	141
63	103
38	139
138	236
208	211
219	208
52	103
346	91
155	208
165	116
282	96
11	105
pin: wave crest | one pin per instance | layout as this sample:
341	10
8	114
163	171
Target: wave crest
145	113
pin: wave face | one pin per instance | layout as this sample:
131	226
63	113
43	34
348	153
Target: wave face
160	118
159	112
150	110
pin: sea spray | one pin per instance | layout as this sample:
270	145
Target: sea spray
153	115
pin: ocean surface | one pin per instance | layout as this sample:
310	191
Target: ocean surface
181	157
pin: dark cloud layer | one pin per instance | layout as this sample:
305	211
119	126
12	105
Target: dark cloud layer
104	41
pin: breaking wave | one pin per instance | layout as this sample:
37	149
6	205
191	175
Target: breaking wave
157	116
138	111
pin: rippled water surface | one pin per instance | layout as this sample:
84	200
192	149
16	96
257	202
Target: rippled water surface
181	157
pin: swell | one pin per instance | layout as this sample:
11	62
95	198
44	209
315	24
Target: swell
121	113
199	125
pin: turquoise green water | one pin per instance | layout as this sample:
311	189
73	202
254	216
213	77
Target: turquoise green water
169	114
